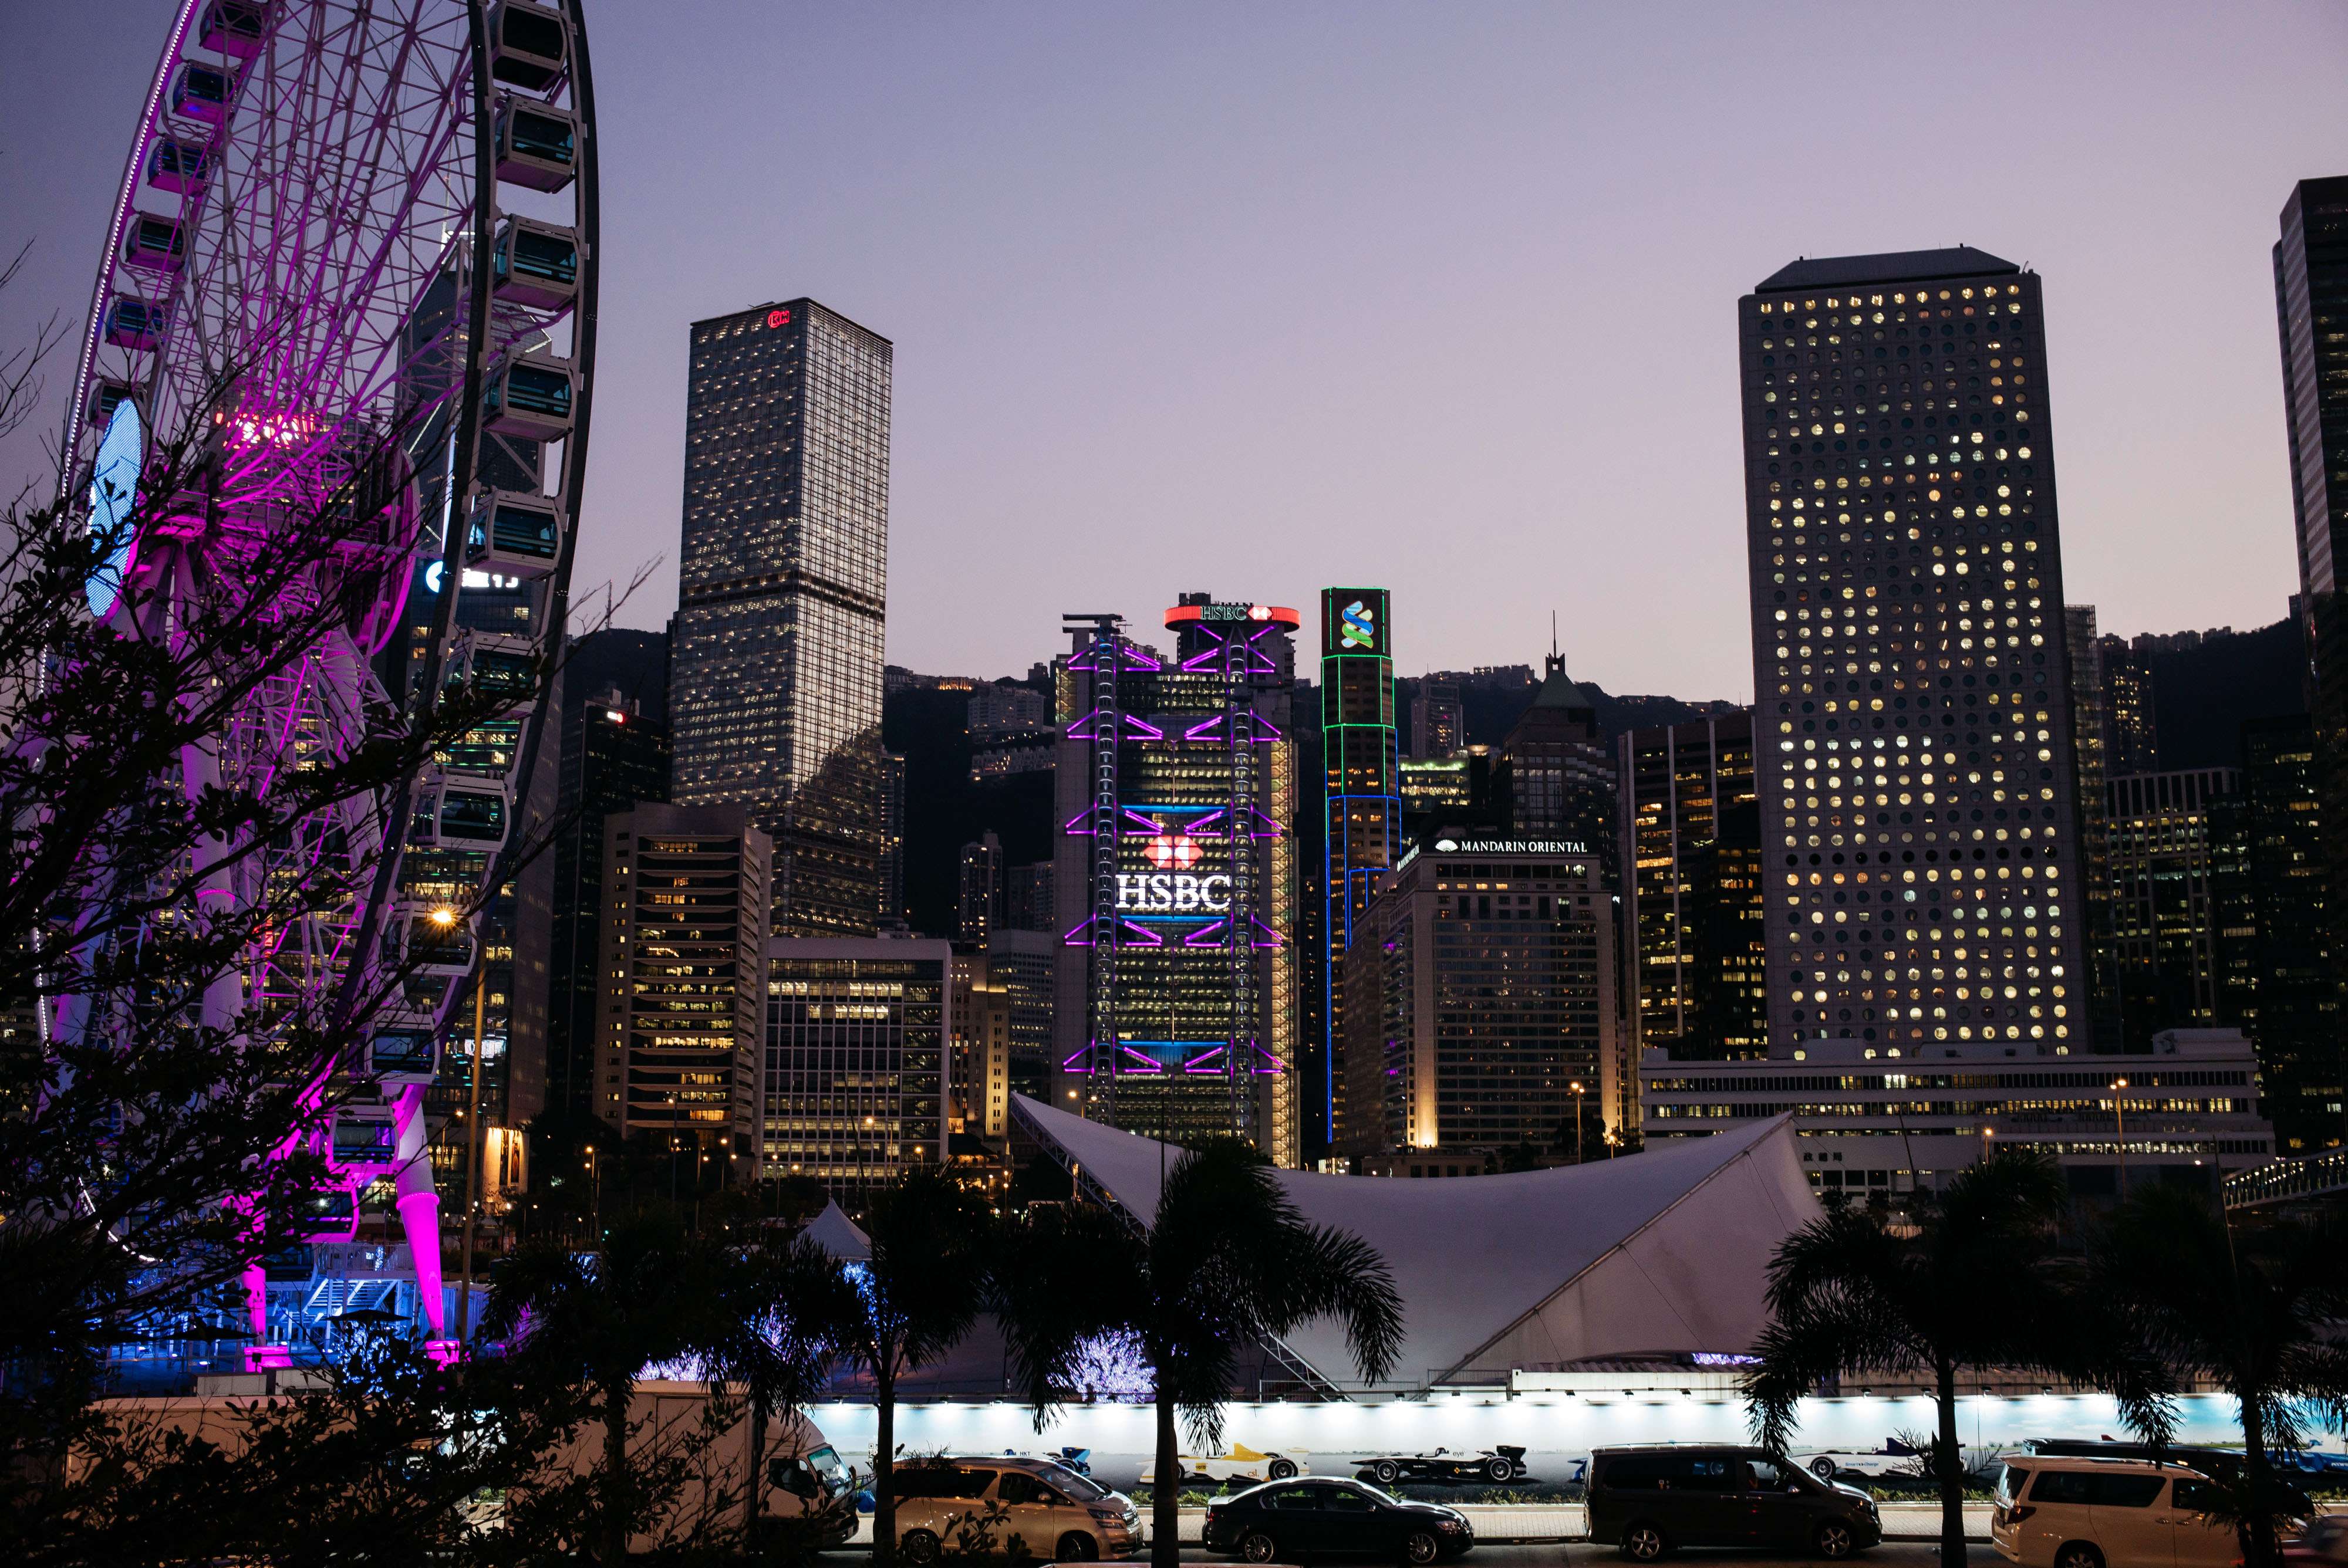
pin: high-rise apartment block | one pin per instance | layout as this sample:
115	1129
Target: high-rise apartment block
1479	1001
1912	689
978	903
1177	990
859	1058
782	586
1692	895
1020	965
1361	795
979	1021
683	992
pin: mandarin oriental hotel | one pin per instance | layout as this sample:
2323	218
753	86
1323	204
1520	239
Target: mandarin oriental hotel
1912	746
1176	980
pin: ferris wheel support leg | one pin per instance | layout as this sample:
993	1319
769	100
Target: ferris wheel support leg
419	1218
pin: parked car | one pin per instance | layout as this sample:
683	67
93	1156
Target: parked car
1047	1509
1292	1520
1074	1459
2060	1511
1653	1501
1240	1462
1497	1464
2221	1463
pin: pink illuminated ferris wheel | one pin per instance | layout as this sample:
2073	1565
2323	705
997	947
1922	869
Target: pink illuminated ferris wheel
353	263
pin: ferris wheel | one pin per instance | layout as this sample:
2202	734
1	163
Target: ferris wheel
353	260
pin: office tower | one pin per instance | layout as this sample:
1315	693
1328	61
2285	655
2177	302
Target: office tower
782	584
1690	888
2310	267
2275	967
1913	727
2089	748
1554	771
614	757
1028	901
2131	739
1361	795
1020	965
978	908
1479	1001
683	997
978	1104
857	1057
892	842
1438	725
1176	995
2164	914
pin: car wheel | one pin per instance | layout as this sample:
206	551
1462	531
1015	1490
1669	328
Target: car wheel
1645	1543
920	1547
1386	1472
1500	1469
1257	1547
2078	1554
1419	1548
1823	1467
1076	1546
1282	1468
1834	1539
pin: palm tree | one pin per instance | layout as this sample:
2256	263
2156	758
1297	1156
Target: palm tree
650	1293
785	1310
1964	1286
913	1302
1227	1264
2260	1311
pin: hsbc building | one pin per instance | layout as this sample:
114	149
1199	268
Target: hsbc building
1176	983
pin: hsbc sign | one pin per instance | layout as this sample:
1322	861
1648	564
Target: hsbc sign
1173	892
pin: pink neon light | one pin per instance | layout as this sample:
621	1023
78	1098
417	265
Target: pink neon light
778	318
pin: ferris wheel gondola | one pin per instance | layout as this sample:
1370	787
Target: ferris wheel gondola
352	255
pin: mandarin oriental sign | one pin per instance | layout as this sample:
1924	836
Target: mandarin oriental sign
1510	847
1175	893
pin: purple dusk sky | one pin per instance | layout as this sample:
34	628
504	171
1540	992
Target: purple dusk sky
1255	298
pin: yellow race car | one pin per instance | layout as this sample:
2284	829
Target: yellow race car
1241	1463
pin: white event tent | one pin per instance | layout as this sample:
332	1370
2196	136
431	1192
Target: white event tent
1660	1254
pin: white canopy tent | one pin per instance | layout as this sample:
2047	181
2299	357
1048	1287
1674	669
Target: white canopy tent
1654	1254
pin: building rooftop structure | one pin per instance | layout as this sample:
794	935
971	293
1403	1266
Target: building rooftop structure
1656	1254
1891	267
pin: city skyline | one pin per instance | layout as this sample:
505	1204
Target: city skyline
1580	224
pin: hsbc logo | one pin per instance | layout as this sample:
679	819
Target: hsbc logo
1174	893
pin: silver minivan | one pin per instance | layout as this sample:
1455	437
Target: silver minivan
2108	1513
1006	1506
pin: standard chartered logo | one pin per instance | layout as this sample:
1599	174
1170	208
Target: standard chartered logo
1359	627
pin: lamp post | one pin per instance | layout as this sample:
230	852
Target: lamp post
2119	1122
445	918
1577	1093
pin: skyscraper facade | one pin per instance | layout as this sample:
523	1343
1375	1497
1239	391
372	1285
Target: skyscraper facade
782	586
2310	268
1913	727
1692	888
1361	795
859	1058
2164	907
1177	984
683	997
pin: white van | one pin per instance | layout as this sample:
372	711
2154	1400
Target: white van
1006	1506
2108	1513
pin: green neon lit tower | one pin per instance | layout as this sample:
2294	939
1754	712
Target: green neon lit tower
1364	802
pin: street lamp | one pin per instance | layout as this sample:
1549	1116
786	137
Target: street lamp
2119	1122
1577	1093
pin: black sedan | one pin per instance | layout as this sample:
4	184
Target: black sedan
1322	1517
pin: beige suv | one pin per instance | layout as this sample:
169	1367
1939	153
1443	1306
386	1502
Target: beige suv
2108	1513
1009	1507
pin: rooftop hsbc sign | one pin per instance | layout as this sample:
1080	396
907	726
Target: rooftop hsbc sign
1173	892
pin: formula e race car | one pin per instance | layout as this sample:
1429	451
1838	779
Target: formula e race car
1497	1464
1241	1463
